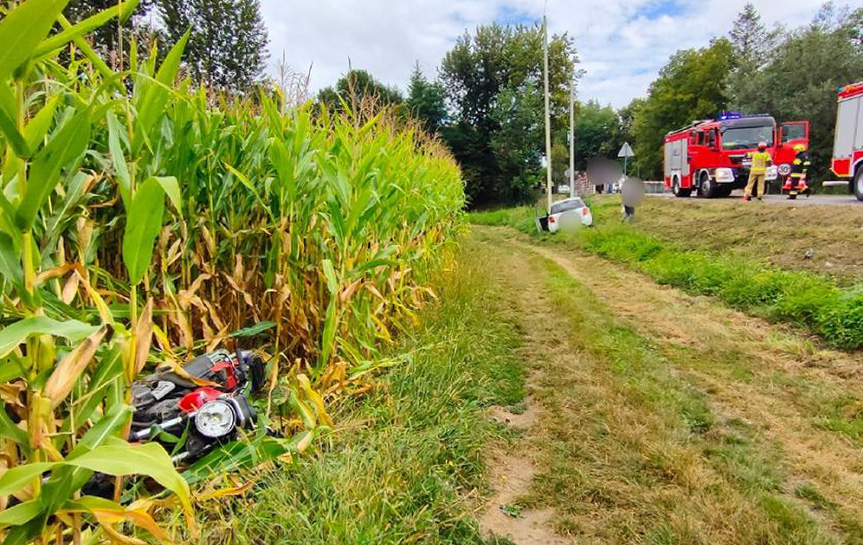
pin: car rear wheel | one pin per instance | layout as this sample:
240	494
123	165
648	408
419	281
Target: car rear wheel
858	184
679	191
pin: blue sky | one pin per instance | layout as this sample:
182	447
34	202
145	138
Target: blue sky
622	43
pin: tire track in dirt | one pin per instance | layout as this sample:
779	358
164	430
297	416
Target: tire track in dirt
673	318
513	467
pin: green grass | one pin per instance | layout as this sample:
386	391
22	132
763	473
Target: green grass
801	298
406	461
522	218
643	427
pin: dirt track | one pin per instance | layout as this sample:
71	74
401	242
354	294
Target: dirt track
794	406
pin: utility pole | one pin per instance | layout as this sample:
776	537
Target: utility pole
547	114
572	137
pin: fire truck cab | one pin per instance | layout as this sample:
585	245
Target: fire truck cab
848	140
710	155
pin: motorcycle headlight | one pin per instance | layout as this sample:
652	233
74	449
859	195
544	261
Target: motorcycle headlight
785	169
215	419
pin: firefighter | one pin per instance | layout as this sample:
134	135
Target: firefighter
760	160
796	182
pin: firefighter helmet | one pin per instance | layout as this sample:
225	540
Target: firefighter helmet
799	147
762	146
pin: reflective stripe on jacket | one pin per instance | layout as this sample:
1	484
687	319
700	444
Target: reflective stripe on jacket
760	160
800	165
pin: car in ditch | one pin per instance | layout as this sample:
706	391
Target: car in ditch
568	214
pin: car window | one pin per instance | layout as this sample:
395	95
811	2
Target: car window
566	205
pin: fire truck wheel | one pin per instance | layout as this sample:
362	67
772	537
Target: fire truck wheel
679	191
706	188
858	184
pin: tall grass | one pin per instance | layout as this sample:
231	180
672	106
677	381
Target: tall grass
139	213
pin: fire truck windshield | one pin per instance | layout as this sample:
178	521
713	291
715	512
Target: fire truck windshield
746	137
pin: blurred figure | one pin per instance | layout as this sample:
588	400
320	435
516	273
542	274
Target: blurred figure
631	195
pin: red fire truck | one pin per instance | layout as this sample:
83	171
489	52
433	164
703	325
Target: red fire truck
848	141
710	155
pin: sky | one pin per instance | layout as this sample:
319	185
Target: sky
622	44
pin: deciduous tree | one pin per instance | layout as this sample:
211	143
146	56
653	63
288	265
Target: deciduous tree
228	41
498	68
691	86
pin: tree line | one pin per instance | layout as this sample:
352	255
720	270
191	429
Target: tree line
792	74
226	49
485	100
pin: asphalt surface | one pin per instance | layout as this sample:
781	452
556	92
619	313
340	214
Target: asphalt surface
783	199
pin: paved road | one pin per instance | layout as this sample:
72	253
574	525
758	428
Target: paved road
783	199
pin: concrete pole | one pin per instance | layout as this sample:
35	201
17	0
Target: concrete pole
547	113
572	137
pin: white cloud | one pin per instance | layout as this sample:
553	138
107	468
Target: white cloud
622	43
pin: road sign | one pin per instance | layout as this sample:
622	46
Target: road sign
626	151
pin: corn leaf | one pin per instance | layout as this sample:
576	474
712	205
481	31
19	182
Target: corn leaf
9	430
20	476
8	126
15	334
328	338
330	273
38	127
142	227
172	190
251	331
110	513
22	29
118	159
86	26
20	514
148	459
10	262
70	368
65	146
153	102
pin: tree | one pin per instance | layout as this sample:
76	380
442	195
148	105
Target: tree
354	88
426	101
801	80
597	133
228	40
518	116
752	47
691	86
496	69
106	38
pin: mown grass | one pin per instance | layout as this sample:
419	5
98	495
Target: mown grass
650	460
801	298
404	465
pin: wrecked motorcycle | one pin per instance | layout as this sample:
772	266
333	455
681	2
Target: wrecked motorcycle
194	411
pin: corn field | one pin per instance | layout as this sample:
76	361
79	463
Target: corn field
146	218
